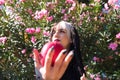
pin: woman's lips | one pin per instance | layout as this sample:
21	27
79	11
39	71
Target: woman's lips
57	40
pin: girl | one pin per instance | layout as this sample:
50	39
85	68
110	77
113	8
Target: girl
68	65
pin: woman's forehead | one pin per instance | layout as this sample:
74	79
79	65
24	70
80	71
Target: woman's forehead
59	28
62	26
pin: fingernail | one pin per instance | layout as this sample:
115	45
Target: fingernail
64	51
71	53
52	48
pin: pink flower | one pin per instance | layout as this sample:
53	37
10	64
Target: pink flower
116	53
31	55
65	17
29	11
46	33
83	5
50	5
40	14
30	30
72	7
22	0
118	36
116	6
63	11
3	39
113	46
96	0
69	1
37	30
112	2
23	51
2	2
18	18
96	59
97	78
33	39
92	76
49	18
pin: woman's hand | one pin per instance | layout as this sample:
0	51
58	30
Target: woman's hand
48	72
83	77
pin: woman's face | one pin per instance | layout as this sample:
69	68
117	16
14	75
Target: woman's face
61	35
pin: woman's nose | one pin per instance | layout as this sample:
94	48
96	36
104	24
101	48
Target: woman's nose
56	34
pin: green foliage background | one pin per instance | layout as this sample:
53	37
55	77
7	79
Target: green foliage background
96	29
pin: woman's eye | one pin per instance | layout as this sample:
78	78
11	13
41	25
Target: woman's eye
62	31
59	31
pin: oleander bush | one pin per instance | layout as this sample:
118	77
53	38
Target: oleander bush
25	25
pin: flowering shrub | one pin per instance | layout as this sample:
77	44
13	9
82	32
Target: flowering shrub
25	25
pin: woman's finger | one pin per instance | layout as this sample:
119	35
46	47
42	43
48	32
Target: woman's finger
65	63
36	58
48	59
83	77
59	59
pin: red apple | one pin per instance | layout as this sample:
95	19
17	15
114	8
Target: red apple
57	49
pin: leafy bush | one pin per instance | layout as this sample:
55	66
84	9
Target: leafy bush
25	24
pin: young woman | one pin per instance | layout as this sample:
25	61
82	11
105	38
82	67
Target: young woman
68	65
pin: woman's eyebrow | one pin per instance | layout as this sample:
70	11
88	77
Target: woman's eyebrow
63	29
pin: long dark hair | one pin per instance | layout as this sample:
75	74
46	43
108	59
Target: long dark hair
75	69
